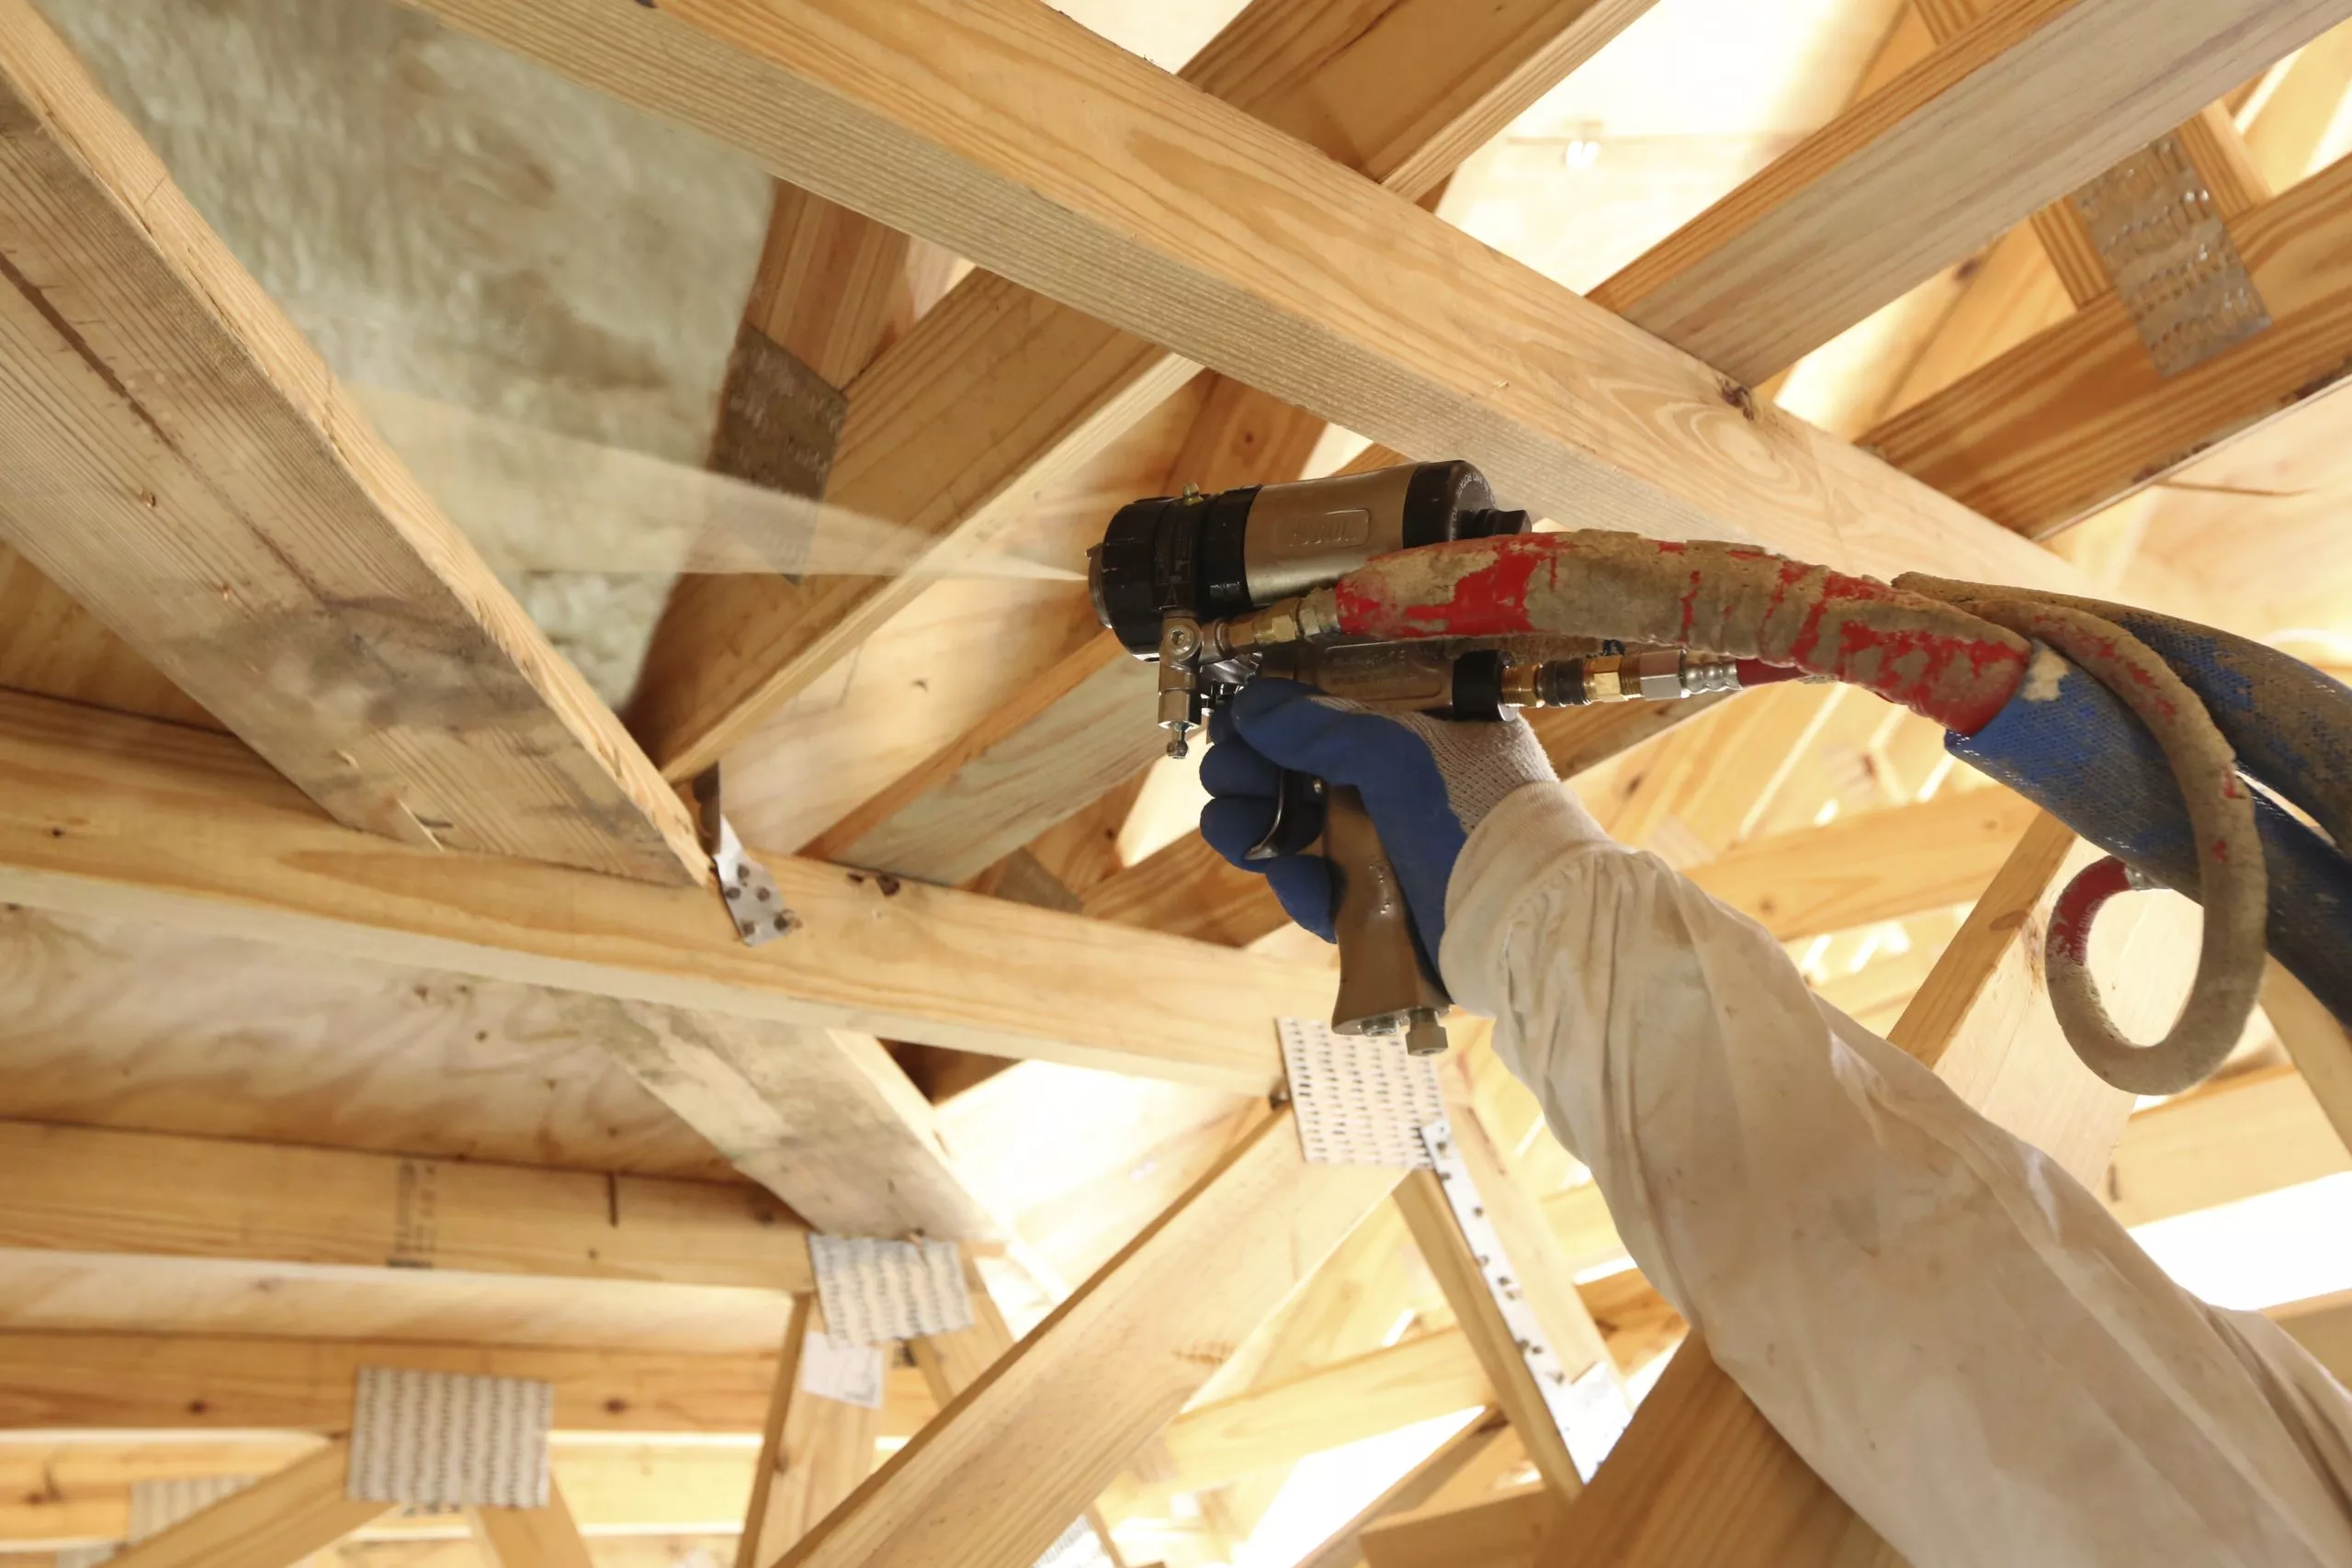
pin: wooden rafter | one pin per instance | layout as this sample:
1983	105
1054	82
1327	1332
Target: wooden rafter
114	813
1083	722
544	1537
813	1451
1423	1482
2007	110
1083	727
1490	1337
199	1382
998	393
277	1522
835	289
1507	389
179	459
101	1190
1498	365
953	1362
2231	1140
76	1491
1505	1532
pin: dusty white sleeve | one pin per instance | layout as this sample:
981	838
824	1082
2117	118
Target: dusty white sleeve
1952	1332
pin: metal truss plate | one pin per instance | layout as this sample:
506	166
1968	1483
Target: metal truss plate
876	1291
2176	269
1359	1099
439	1440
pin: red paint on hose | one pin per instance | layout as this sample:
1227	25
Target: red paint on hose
2071	915
1735	600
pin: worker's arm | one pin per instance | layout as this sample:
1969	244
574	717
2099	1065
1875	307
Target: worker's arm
1954	1333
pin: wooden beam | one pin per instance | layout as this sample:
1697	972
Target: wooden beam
183	463
1877	865
1993	124
135	1381
1279	1424
1505	1533
87	1190
1708	784
1080	852
1701	1476
2077	416
950	1363
1023	1452
1079	731
122	817
2289	127
2236	1138
2320	1047
835	289
71	1489
275	1523
813	1452
2213	147
50	645
998	394
1086	725
544	1537
1351	1306
1188	889
1344	1548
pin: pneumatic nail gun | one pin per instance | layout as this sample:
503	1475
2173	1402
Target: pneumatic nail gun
1220	589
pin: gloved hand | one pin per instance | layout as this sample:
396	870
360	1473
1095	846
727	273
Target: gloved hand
1427	783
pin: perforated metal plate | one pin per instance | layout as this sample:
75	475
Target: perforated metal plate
1359	1100
876	1291
2176	269
156	1506
835	1368
435	1440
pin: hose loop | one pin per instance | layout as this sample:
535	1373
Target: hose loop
2233	883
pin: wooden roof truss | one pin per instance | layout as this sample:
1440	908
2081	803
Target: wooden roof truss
1184	279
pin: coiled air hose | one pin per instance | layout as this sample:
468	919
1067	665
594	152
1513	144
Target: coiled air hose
1965	656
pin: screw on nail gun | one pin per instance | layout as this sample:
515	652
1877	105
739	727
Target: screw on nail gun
1220	589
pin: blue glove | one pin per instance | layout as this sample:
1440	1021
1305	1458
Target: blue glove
1427	783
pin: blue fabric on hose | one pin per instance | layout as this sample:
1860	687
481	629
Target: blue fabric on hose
2080	754
2289	724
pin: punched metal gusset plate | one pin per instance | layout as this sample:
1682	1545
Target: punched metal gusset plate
754	901
2176	271
1359	1099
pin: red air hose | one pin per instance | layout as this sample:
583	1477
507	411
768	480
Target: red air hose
1932	658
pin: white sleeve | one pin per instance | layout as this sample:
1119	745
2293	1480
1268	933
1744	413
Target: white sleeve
1951	1331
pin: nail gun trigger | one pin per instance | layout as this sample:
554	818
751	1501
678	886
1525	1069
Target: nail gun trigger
1298	818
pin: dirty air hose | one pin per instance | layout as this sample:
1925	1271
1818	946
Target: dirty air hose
1993	662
